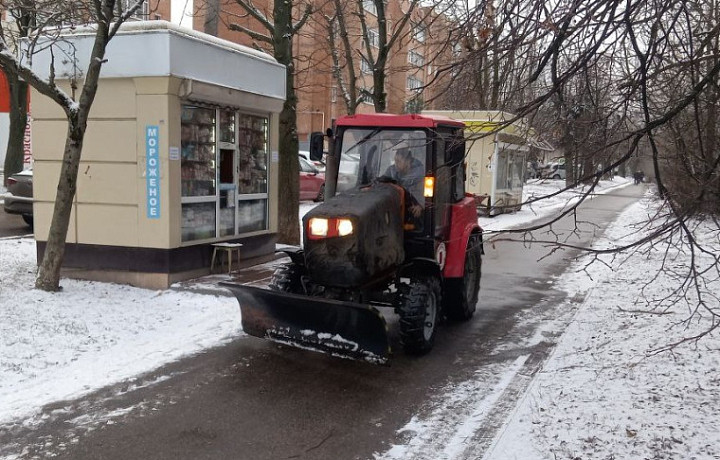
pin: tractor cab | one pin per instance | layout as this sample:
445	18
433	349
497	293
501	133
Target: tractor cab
422	154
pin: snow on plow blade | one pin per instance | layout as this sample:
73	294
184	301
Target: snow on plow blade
343	329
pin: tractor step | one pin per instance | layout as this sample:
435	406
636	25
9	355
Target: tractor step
342	329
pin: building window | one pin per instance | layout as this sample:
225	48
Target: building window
141	14
365	97
419	32
224	173
414	105
414	83
369	7
457	50
373	38
416	59
365	66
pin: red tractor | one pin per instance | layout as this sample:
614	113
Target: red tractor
395	230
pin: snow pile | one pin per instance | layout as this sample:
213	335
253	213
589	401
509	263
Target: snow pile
606	392
56	346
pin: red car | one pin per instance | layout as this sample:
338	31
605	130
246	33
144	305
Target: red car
312	182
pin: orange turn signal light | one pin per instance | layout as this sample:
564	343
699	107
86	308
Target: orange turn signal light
429	186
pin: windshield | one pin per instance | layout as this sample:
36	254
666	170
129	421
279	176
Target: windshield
368	153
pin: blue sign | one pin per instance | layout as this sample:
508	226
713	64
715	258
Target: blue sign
152	172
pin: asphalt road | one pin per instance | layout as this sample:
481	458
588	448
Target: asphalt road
11	224
253	399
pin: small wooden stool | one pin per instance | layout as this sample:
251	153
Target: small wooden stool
229	248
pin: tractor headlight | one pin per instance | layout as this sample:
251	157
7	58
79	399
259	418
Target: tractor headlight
344	227
318	227
323	227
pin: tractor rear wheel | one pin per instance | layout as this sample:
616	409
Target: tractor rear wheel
461	295
286	278
419	309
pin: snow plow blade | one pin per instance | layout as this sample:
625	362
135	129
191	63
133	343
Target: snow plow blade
342	329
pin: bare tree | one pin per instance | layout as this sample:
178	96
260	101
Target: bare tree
278	33
630	78
498	48
106	24
26	18
377	50
343	67
363	36
586	121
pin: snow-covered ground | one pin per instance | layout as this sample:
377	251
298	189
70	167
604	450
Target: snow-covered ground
56	346
605	392
600	395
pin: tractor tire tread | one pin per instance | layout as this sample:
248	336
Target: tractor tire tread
286	278
411	308
457	306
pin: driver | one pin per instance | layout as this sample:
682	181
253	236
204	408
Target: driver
409	173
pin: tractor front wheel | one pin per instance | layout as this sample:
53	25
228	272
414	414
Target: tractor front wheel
286	278
418	305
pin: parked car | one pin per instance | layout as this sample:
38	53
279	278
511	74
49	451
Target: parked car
312	182
553	171
19	199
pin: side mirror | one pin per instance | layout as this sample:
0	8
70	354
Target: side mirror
317	144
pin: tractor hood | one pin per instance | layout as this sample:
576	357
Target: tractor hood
356	236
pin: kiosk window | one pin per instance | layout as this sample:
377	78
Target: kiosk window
224	173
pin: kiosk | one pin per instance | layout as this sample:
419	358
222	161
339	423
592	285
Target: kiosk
180	153
497	151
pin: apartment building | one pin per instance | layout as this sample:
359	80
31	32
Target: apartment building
415	80
421	48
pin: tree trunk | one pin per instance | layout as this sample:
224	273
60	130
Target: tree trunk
48	278
212	11
288	175
589	167
710	150
379	70
349	95
18	122
379	94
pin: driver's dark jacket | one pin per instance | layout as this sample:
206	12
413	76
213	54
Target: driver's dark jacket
412	180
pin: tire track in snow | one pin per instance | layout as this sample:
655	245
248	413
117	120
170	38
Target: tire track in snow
464	421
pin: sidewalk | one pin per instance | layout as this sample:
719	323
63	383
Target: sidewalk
255	274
